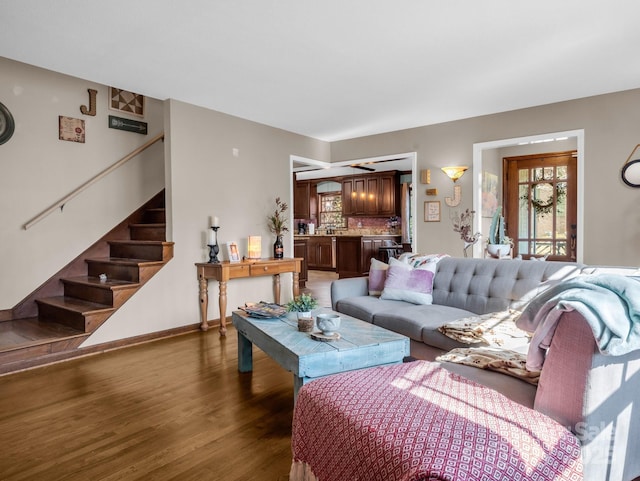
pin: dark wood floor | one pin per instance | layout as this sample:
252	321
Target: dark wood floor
170	409
173	409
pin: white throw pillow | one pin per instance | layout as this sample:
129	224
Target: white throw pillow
377	276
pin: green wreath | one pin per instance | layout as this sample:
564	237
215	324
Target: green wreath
543	207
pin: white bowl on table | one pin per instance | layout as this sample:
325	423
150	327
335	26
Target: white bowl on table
328	323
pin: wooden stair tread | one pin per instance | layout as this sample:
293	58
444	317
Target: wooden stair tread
74	304
77	302
113	284
141	242
127	262
19	333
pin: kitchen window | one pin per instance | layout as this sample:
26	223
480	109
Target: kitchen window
331	210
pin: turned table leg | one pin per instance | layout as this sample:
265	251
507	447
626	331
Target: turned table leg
222	301
276	288
296	285
204	303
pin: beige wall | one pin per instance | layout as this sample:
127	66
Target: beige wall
37	169
610	123
205	179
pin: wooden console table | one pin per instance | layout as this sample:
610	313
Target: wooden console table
225	270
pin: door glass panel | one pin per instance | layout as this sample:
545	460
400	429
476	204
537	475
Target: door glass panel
523	214
523	175
561	172
561	211
561	248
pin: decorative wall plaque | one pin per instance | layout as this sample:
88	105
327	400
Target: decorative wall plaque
124	101
128	125
71	129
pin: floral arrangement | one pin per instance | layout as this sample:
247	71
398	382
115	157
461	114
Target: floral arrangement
302	303
496	230
277	222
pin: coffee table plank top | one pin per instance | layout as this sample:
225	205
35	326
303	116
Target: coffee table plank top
361	345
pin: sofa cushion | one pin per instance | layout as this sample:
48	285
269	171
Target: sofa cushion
365	307
490	285
421	322
405	283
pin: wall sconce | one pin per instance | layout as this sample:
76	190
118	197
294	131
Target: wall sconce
425	176
454	173
255	247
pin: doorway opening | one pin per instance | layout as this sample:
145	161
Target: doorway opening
308	169
483	155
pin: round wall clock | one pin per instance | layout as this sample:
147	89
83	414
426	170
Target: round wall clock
6	124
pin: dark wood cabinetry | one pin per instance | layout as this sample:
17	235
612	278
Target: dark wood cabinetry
370	195
354	253
300	251
321	252
305	204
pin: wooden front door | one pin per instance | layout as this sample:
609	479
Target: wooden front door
540	207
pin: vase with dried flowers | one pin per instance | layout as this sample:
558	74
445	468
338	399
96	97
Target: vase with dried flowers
463	224
277	224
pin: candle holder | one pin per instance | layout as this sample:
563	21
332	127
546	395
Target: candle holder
213	248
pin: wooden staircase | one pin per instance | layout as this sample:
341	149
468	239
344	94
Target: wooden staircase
52	322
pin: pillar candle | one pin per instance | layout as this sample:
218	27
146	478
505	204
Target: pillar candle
215	222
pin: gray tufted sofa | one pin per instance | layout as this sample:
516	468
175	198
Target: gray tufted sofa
462	287
593	395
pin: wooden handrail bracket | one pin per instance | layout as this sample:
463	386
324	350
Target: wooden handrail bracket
61	203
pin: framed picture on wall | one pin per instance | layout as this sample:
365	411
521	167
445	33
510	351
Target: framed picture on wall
489	194
233	252
432	211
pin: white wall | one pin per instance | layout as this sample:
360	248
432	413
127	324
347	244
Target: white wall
610	122
37	169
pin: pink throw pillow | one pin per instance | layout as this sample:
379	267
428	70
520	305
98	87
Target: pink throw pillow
404	283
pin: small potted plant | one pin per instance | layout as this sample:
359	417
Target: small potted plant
302	305
498	244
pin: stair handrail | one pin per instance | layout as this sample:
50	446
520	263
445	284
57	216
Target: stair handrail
61	203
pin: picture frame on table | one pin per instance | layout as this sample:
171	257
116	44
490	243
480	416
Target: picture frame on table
432	211
232	251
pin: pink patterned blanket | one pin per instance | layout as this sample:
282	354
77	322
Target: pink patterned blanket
420	422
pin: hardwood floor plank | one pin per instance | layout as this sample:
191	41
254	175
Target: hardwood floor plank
172	409
167	410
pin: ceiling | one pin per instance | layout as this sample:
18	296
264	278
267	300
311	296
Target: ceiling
336	69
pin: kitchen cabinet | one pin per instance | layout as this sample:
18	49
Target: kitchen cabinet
372	195
300	249
305	203
354	253
321	252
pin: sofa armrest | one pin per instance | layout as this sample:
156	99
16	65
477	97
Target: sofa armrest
593	395
350	287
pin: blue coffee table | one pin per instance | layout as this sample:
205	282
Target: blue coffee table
361	345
